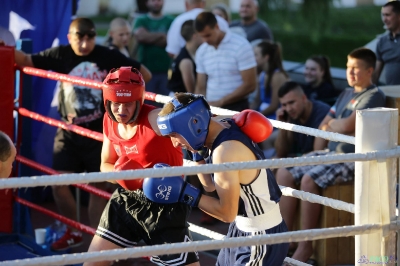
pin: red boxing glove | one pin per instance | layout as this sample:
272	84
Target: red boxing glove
124	163
254	124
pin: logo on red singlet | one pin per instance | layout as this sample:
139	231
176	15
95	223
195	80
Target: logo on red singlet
132	149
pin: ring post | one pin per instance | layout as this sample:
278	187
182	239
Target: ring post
374	182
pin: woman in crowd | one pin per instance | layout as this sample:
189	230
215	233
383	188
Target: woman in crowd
317	75
271	76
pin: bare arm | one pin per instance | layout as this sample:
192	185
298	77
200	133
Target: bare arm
201	84
156	38
22	59
227	185
320	143
249	77
284	140
276	82
205	179
108	157
152	116
377	73
145	73
189	80
343	125
255	104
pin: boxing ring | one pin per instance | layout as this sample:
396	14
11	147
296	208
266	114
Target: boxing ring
374	209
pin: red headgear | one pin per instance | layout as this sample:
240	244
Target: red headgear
123	85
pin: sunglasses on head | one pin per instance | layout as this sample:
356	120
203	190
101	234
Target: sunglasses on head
90	34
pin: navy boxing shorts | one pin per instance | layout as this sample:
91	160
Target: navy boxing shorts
130	217
262	255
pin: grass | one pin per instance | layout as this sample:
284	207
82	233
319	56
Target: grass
334	34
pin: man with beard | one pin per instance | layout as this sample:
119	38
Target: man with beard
151	33
255	28
74	153
387	49
297	109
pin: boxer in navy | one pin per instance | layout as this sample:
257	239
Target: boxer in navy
248	198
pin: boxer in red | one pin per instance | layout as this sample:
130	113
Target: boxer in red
132	141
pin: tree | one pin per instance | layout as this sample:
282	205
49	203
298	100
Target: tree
316	15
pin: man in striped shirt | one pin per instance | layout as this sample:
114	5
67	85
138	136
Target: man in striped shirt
225	65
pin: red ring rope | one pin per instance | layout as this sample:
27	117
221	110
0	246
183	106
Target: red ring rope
50	171
63	219
62	77
72	79
57	123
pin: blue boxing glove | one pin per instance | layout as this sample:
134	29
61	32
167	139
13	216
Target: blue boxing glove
170	189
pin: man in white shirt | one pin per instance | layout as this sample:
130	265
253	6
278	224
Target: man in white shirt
174	39
225	65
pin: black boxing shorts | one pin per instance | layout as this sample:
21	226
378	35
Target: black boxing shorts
130	217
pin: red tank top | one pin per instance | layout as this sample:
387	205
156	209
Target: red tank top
145	147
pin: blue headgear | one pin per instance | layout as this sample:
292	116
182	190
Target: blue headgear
190	121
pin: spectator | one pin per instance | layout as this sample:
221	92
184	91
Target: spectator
271	76
120	33
81	106
297	109
256	29
248	199
225	65
340	119
319	85
183	78
7	155
387	50
151	32
175	41
7	36
222	10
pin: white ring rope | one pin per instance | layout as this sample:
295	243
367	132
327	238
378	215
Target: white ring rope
278	124
205	232
314	132
313	198
66	179
287	237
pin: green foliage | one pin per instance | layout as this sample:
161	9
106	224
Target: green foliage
333	32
